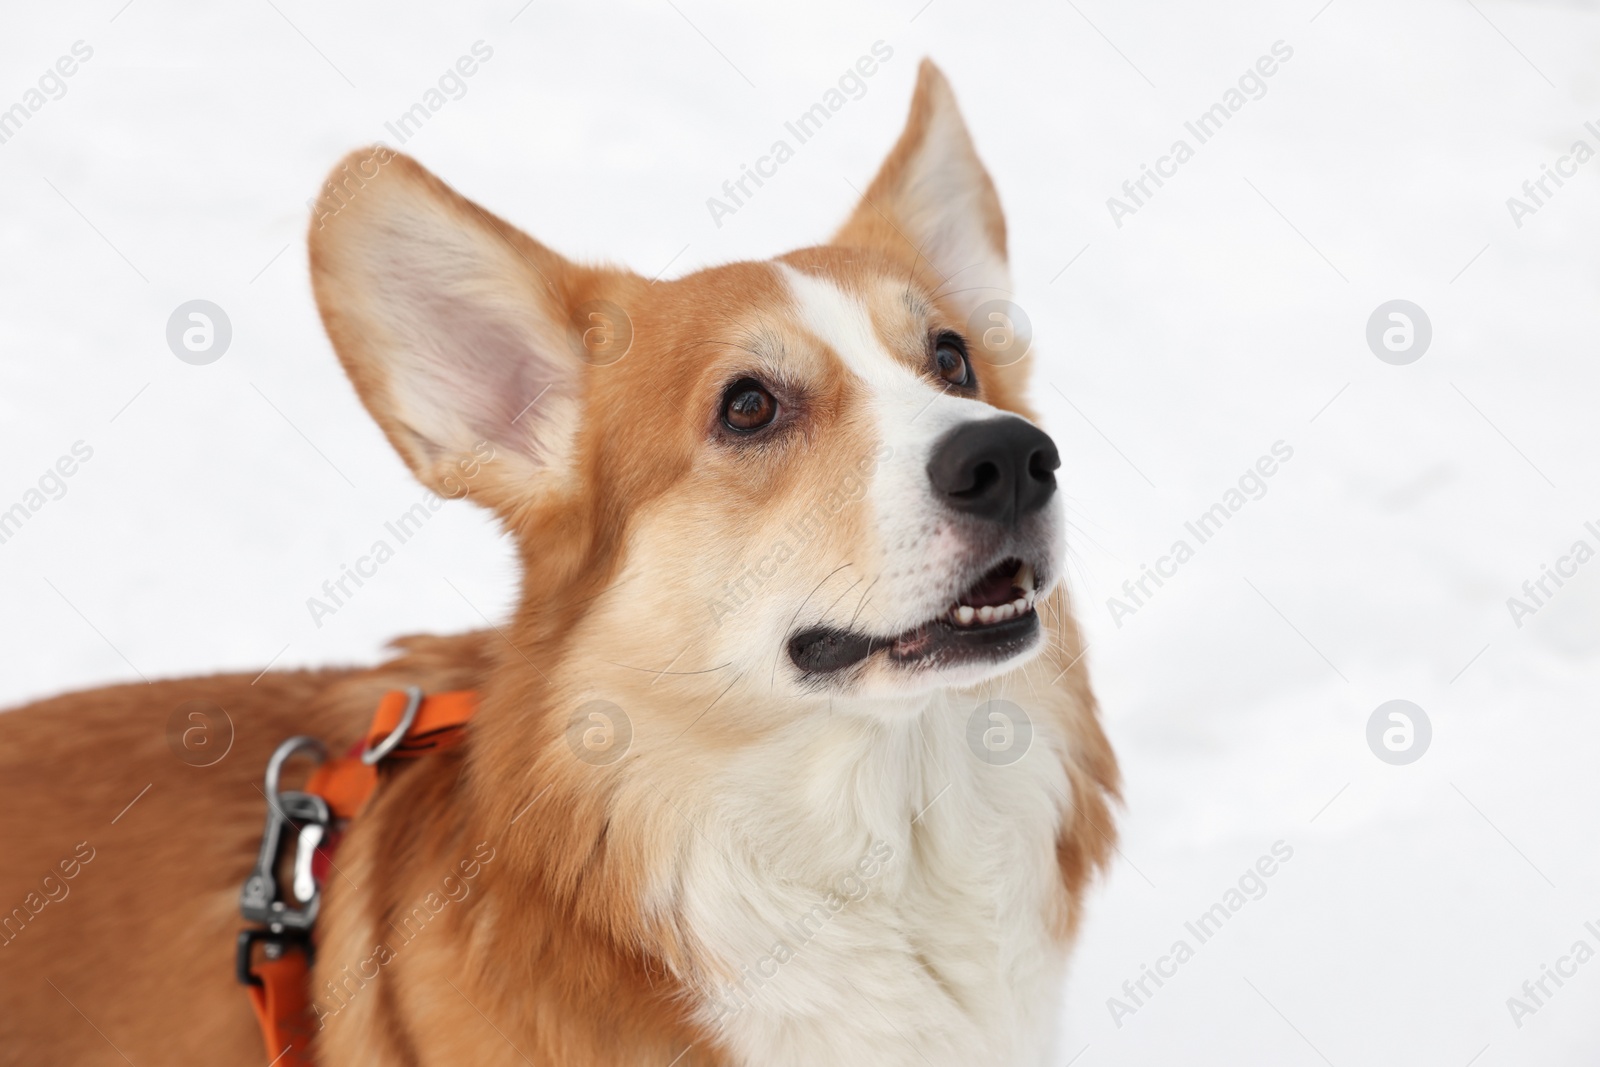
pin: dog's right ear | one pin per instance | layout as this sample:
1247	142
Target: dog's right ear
455	328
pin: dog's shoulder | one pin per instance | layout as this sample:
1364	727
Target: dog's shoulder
131	815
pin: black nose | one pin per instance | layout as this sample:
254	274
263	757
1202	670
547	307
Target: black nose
999	470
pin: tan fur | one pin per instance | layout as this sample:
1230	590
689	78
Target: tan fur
568	950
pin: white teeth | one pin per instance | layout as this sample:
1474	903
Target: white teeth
1026	593
1024	579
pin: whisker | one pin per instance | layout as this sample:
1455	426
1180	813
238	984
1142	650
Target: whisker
841	596
723	344
963	270
652	670
863	601
802	607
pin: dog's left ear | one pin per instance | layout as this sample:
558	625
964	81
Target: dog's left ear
933	207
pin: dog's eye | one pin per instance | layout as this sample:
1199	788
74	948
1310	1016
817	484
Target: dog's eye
950	360
747	406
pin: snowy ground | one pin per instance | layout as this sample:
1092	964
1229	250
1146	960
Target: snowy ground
1224	315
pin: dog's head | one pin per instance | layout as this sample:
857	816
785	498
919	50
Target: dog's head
815	470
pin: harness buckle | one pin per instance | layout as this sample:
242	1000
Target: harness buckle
276	946
287	924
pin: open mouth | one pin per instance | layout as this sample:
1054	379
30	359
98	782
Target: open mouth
992	620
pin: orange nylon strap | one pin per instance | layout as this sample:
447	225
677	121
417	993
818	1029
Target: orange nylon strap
282	1010
347	783
438	725
281	1002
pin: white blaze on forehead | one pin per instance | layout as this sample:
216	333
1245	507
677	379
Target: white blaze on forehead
841	321
911	414
909	405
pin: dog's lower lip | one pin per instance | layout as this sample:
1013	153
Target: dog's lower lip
943	638
992	619
823	650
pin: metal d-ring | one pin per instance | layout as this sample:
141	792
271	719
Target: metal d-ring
398	734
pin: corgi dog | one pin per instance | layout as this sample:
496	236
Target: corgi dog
787	755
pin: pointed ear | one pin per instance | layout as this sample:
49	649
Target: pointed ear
455	327
933	205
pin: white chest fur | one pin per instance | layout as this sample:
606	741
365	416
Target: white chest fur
875	893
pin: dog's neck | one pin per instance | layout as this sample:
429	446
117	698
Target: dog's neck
852	870
818	870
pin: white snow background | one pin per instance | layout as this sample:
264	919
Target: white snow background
1228	313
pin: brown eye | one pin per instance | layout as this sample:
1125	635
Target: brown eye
950	360
747	406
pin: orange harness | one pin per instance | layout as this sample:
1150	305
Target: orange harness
406	725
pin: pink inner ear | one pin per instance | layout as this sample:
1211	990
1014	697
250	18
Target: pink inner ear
471	372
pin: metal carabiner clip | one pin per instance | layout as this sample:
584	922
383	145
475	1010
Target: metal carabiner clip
259	898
